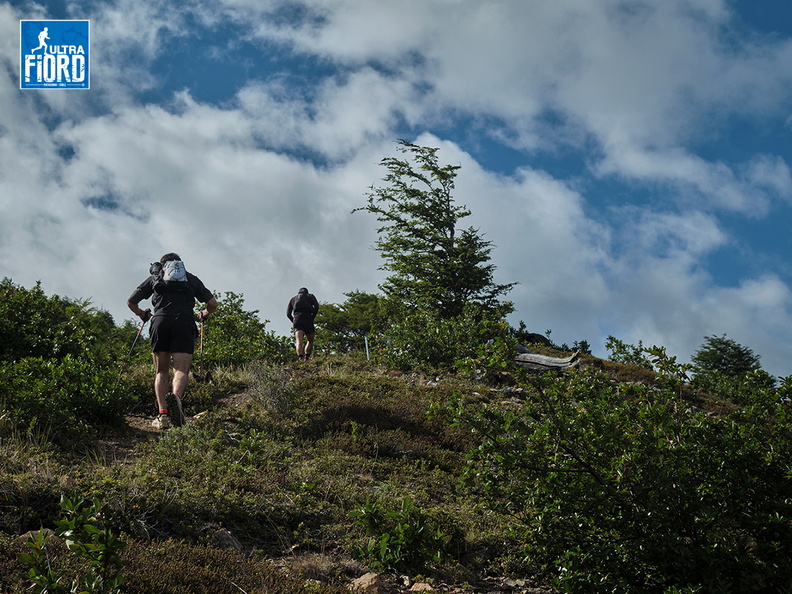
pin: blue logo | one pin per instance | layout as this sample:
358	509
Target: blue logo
54	55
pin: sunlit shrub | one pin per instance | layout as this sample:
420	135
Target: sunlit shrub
421	339
631	489
62	395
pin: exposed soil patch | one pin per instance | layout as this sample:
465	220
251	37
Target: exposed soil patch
119	446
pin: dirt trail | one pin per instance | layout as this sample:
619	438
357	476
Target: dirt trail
119	445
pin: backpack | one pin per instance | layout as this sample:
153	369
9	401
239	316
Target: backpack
170	276
303	304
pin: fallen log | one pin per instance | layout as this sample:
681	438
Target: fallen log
541	363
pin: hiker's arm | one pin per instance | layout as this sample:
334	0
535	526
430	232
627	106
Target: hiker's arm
211	306
143	314
143	291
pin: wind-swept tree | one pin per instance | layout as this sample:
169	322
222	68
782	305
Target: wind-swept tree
433	262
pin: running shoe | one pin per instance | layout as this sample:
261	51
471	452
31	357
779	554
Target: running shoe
161	422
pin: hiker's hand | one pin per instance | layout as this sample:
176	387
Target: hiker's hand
202	315
145	315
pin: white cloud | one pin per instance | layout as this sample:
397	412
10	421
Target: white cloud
771	172
631	88
345	115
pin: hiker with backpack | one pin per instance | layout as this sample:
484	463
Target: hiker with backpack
301	311
173	331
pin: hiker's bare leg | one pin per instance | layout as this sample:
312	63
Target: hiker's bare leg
309	340
161	377
299	337
181	372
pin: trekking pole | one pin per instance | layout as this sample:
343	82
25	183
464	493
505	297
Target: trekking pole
200	353
201	377
132	348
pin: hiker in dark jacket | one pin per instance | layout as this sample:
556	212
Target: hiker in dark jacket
173	292
302	310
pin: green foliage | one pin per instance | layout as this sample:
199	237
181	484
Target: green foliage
342	328
89	538
63	395
58	362
398	539
627	489
235	336
752	387
433	264
628	354
725	356
727	370
477	340
668	367
35	325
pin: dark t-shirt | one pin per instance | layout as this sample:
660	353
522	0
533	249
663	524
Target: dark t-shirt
308	310
168	302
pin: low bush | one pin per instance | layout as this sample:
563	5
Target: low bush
65	396
398	539
477	339
631	489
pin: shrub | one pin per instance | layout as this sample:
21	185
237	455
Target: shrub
90	539
621	352
342	328
35	325
477	339
398	539
234	336
628	489
63	395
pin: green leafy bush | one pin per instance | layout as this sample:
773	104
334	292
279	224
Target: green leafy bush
628	354
37	326
477	339
90	539
343	328
398	539
62	395
621	489
235	336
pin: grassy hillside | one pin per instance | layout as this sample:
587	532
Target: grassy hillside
301	478
285	479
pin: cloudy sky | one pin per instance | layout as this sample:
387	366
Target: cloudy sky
629	160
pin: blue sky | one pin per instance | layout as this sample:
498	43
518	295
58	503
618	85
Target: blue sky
629	160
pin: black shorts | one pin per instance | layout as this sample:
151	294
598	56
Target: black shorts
173	334
304	323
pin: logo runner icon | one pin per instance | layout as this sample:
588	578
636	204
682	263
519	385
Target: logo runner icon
54	54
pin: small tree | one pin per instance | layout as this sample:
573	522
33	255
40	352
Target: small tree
726	369
724	355
344	326
433	263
